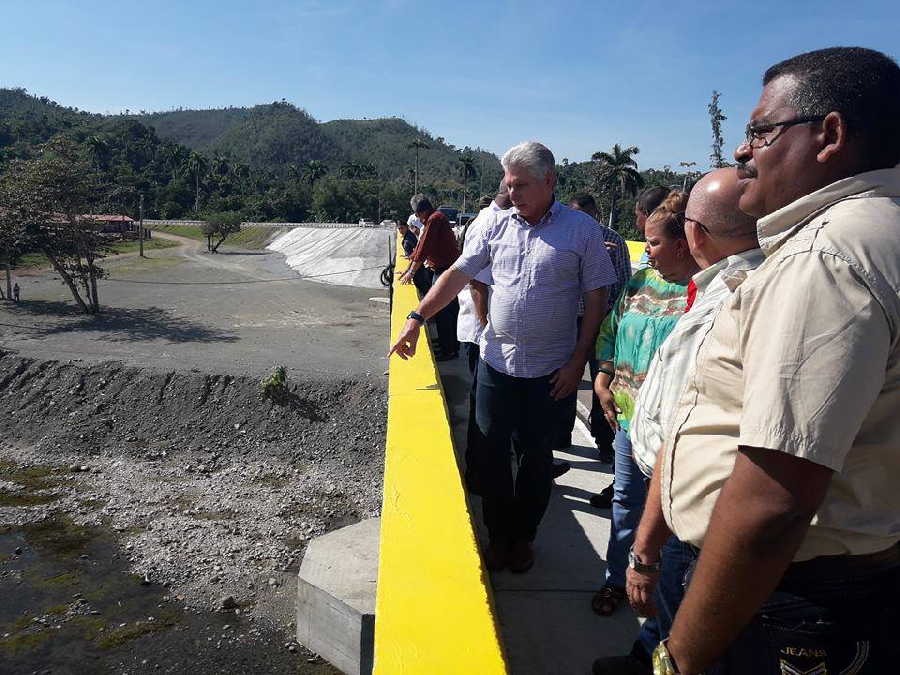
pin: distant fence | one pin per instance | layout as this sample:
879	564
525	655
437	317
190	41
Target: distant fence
279	226
163	223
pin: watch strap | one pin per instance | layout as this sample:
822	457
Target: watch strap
637	564
415	315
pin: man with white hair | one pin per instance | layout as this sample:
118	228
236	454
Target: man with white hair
543	256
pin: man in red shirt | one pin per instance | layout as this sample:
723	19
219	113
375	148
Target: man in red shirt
436	249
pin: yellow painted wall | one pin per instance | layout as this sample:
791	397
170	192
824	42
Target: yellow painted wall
434	611
635	250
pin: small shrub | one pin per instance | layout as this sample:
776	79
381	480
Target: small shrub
274	387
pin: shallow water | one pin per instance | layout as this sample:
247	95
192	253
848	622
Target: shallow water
69	605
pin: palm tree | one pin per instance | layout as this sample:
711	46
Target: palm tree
351	170
315	170
242	171
468	170
198	166
617	172
174	156
98	149
221	168
687	173
418	144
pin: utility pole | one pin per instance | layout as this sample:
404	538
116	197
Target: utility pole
686	165
416	188
141	225
481	177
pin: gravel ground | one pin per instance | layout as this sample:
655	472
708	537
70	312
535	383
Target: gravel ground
199	456
212	492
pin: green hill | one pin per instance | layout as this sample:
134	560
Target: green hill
270	137
197	129
267	162
277	135
385	143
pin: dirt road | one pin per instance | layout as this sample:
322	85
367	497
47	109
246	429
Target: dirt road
238	312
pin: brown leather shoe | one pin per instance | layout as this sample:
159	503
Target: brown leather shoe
521	557
496	556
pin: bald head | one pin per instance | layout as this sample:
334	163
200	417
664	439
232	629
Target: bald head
714	202
714	225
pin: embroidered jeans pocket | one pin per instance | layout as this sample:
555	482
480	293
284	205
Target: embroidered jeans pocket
804	639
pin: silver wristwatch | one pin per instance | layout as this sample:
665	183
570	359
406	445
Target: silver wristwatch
636	564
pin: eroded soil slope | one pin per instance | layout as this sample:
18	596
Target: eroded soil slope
210	491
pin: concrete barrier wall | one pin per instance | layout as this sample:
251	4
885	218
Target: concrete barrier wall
332	226
635	250
434	610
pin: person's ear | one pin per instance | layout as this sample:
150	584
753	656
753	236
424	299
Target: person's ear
695	235
833	137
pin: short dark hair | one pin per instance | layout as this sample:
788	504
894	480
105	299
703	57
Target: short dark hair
863	85
420	203
651	198
585	202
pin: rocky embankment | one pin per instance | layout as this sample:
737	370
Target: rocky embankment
210	490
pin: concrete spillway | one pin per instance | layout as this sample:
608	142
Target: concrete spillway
348	256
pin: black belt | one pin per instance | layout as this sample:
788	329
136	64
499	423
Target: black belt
836	566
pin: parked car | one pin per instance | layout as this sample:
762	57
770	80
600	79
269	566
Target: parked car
365	222
450	212
388	223
463	219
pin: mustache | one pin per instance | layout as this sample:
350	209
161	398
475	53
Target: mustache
744	170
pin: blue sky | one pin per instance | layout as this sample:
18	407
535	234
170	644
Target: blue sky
578	76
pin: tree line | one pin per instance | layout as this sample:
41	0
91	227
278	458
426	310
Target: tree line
57	164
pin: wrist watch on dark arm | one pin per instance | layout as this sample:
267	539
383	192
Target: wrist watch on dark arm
663	663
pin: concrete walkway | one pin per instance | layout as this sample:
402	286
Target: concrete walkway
545	616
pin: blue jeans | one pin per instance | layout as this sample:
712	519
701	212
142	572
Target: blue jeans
445	321
514	411
676	558
629	495
839	622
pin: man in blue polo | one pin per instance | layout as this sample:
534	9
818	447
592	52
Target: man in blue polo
543	256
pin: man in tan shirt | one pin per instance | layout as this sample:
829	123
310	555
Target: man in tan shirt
782	462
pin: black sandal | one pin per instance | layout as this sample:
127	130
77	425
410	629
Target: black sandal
607	600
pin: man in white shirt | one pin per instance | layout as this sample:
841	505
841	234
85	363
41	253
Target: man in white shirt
723	241
473	316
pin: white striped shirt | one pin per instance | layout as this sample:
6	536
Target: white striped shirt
675	358
539	272
467	326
